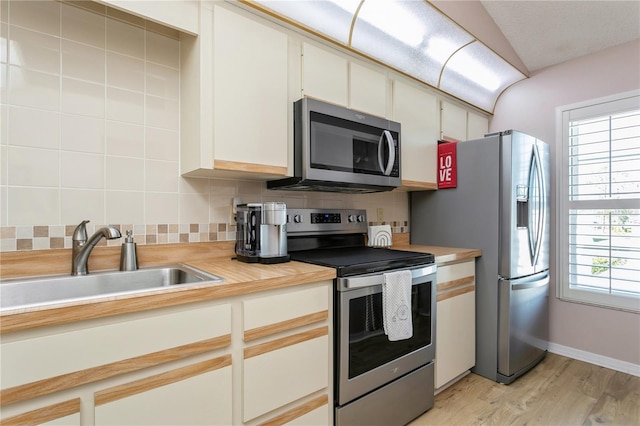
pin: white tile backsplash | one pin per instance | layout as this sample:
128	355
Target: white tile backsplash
163	50
90	130
126	139
125	173
83	134
33	89
33	127
28	206
161	176
162	144
83	62
80	204
81	170
125	105
82	26
82	98
124	207
42	16
125	38
162	81
125	72
162	112
33	167
33	50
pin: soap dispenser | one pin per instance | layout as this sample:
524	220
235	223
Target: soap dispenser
128	255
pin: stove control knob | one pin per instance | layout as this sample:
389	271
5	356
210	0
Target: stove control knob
360	218
297	218
352	218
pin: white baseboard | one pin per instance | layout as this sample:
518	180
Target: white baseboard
603	361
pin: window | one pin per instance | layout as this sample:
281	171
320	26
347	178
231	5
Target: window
598	194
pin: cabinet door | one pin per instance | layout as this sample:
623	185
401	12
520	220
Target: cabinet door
368	90
455	327
417	112
250	92
179	14
282	371
324	75
455	350
477	126
454	122
179	397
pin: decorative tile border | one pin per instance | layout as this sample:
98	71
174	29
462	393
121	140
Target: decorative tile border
38	237
25	238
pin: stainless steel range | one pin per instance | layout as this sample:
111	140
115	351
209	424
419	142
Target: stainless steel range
377	381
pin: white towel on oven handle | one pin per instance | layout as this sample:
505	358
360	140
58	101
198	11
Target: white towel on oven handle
396	305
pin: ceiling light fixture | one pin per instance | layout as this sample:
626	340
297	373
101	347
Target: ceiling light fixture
410	36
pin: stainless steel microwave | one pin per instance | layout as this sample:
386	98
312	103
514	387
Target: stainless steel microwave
337	149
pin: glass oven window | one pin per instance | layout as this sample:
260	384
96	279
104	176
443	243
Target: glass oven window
369	347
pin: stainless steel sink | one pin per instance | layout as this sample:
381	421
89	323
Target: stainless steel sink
46	290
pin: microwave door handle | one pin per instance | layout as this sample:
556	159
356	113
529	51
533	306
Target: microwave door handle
386	169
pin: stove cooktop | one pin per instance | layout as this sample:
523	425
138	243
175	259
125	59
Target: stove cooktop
350	261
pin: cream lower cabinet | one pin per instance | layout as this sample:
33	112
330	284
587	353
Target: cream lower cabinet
287	357
455	323
152	367
199	394
248	359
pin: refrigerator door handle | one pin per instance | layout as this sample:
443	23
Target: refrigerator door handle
540	283
537	206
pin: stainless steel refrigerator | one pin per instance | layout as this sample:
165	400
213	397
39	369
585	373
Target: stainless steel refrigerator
501	206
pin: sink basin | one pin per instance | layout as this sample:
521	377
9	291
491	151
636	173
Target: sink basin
45	290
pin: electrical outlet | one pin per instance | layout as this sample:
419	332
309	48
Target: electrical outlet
233	209
380	214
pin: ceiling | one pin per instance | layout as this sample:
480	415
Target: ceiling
545	33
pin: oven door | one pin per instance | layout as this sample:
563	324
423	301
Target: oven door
366	359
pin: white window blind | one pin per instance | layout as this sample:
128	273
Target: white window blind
599	203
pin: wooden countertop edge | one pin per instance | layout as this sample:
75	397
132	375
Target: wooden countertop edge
12	321
210	257
444	255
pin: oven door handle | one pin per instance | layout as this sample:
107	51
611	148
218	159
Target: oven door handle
418	276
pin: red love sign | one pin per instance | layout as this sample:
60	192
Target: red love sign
447	165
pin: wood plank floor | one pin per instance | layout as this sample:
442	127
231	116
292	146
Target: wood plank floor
558	391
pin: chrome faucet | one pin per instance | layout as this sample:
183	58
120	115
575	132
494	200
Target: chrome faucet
82	247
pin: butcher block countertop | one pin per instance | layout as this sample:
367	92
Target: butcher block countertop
215	258
443	255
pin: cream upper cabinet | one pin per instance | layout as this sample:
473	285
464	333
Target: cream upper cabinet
333	78
324	75
477	126
453	122
367	90
417	111
235	106
455	328
181	15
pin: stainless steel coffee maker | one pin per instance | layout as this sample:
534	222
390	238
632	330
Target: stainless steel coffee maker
261	234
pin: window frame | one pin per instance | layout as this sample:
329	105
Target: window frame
591	108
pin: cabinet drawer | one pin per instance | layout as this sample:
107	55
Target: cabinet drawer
264	316
278	377
63	413
456	271
197	394
91	353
